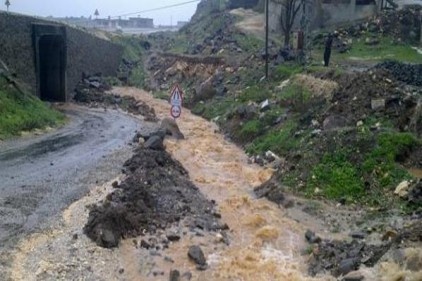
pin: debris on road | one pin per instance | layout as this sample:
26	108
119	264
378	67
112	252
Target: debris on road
155	193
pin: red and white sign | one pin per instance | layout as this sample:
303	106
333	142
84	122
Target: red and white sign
175	111
176	100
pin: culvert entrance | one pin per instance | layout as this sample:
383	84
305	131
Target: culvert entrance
50	54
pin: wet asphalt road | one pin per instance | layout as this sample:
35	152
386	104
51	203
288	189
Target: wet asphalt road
41	175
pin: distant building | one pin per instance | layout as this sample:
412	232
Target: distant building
141	22
109	23
123	23
182	23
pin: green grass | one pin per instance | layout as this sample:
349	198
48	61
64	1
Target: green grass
250	130
133	52
279	140
295	93
257	93
336	178
381	162
132	49
387	49
23	112
215	108
137	77
340	175
248	43
285	71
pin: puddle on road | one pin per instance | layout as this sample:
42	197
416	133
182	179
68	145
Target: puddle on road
265	244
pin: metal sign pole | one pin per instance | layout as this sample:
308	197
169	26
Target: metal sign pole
266	37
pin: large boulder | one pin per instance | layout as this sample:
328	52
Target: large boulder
171	128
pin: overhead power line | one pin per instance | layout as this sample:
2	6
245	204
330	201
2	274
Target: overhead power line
157	9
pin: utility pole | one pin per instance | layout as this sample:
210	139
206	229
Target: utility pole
7	3
266	37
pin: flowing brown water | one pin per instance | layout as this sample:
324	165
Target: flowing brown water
265	244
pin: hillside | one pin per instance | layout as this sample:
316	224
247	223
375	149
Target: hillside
348	135
21	111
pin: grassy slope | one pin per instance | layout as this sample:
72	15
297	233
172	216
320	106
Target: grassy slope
387	49
334	174
23	112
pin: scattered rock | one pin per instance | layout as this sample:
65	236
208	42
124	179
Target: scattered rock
372	41
347	265
187	276
377	104
174	275
265	105
358	235
311	237
195	253
170	126
353	276
415	194
389	235
168	259
173	237
108	239
334	122
145	244
402	189
154	142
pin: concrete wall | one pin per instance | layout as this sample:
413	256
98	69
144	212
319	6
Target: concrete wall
328	14
337	13
89	54
16	49
85	53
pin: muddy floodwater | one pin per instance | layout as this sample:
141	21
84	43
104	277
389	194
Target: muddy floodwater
265	241
265	244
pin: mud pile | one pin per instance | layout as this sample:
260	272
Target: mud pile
408	73
155	194
167	69
404	25
93	91
375	92
342	257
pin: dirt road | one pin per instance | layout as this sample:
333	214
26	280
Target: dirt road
41	175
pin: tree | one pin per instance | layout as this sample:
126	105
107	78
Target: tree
289	10
96	13
7	3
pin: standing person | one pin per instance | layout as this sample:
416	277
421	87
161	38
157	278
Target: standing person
327	51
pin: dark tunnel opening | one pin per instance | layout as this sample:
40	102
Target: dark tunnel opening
51	71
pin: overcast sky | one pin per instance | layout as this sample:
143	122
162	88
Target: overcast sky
63	8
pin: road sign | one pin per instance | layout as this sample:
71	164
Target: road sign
176	100
176	97
176	111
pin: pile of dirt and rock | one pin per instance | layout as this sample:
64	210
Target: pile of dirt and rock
342	257
376	93
155	194
93	90
167	69
401	25
408	73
